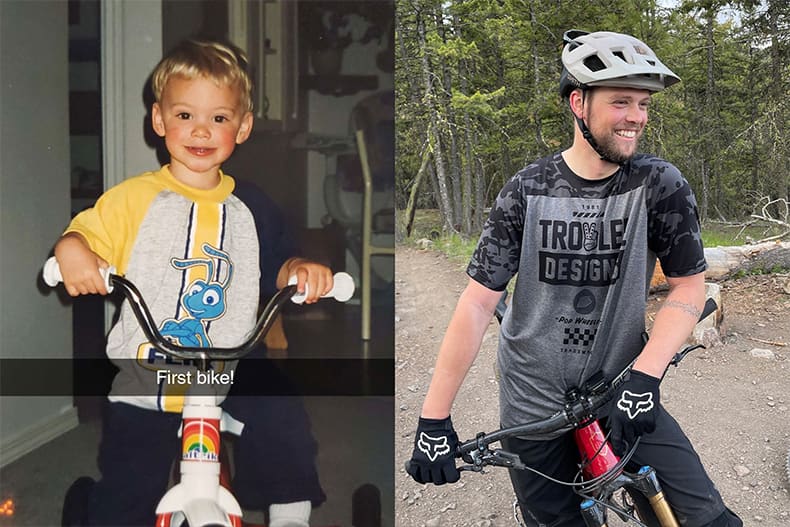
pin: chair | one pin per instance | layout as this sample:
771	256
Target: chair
370	172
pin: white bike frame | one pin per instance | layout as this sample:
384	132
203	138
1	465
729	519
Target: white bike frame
199	498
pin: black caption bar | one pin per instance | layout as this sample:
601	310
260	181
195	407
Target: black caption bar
307	377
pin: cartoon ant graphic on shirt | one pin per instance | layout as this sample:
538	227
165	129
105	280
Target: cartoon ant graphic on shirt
204	300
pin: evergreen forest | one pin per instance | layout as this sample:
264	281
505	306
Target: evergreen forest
477	98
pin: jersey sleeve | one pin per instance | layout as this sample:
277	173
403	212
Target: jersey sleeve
673	224
496	258
105	227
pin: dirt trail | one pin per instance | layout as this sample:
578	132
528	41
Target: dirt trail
733	405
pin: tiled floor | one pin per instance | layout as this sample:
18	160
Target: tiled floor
354	433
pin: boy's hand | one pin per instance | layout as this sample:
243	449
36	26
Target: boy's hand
317	277
80	266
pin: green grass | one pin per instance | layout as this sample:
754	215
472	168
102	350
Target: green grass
717	234
456	247
428	225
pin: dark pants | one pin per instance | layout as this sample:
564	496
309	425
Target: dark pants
686	485
274	458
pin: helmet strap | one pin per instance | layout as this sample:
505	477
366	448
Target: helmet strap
585	130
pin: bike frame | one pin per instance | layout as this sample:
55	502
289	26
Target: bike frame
601	463
602	471
199	497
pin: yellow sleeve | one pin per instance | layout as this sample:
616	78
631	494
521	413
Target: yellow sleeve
110	226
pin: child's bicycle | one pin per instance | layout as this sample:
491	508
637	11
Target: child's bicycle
200	498
601	472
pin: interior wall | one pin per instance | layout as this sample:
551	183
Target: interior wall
330	116
131	49
34	206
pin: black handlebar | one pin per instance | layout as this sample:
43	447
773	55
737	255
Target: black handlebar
201	355
574	412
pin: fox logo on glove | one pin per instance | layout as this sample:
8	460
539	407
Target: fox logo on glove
433	447
635	403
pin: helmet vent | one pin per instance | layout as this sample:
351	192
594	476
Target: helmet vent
593	63
619	55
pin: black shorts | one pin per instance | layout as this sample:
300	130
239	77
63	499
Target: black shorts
685	483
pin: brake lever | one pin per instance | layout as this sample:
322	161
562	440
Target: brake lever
502	458
497	458
682	354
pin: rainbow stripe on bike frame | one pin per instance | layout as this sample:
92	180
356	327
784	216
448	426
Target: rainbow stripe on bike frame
200	440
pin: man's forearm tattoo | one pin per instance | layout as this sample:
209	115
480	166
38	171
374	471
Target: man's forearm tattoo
691	309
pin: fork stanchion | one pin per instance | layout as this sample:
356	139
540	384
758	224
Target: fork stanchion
593	514
651	488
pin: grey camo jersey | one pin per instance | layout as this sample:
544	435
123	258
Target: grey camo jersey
582	253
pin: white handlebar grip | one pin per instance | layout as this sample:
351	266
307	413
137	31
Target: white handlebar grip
342	289
51	272
52	277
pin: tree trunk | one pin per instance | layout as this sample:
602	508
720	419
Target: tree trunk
480	195
411	206
467	223
433	116
709	113
453	178
753	130
703	204
536	83
441	180
466	179
778	87
412	80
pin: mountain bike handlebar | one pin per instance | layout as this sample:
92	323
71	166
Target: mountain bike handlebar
342	290
580	408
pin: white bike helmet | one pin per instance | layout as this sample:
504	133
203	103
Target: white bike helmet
604	58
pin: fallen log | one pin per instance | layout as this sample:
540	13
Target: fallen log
723	262
726	261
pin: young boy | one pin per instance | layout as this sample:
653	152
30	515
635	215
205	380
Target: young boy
197	245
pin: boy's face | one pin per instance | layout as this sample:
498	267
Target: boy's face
202	123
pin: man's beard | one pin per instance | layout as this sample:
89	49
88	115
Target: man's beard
610	150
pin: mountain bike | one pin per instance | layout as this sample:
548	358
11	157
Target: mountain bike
602	473
201	498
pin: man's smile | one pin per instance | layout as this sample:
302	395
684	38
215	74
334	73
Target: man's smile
627	134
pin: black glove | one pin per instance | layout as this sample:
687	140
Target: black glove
634	410
433	459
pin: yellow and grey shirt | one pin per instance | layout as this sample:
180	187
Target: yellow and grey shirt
195	255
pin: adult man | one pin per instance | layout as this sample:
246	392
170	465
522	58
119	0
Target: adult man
582	228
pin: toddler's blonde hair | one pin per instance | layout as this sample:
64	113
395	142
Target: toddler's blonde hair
223	63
